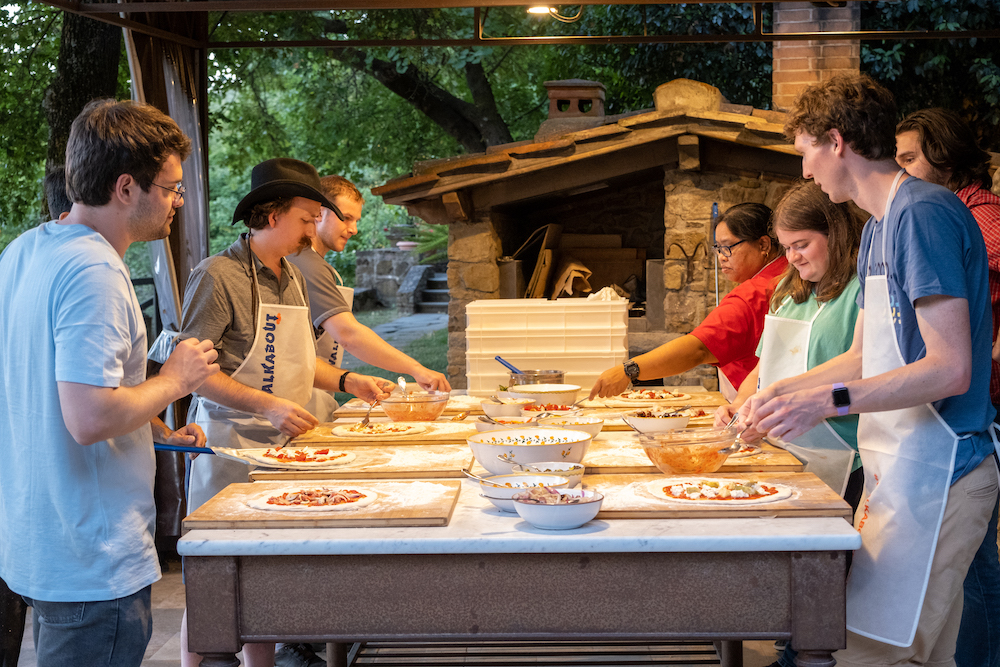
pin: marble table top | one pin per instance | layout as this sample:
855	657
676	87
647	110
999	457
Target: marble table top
478	527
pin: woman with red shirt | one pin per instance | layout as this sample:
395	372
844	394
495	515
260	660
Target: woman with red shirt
748	255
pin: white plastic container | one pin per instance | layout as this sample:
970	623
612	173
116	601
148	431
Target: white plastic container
556	316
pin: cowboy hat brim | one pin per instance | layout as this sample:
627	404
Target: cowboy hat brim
279	189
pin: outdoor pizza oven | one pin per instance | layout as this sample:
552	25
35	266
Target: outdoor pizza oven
630	198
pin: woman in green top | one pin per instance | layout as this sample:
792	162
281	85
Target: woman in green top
812	318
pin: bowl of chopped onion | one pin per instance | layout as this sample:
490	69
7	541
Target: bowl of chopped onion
650	420
498	489
499	450
696	450
507	407
589	425
557	509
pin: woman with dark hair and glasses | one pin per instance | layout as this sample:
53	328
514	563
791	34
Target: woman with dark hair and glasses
750	256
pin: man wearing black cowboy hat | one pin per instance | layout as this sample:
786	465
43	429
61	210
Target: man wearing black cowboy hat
253	305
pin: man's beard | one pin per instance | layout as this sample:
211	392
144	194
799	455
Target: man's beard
143	227
304	243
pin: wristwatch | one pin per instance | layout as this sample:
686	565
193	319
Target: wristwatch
841	399
631	370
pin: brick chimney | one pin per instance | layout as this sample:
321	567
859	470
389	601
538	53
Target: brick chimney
574	105
799	64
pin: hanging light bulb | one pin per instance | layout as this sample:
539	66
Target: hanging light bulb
554	13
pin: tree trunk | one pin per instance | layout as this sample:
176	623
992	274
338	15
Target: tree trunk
89	53
475	126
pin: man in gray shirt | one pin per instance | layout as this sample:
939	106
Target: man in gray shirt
330	310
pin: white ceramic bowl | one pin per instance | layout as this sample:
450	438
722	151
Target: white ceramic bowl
560	517
572	471
499	493
562	394
527	445
654	424
589	425
504	423
508	407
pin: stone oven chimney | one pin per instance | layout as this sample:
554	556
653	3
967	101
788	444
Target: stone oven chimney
799	64
574	105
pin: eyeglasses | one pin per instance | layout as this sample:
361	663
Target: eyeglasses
178	192
726	250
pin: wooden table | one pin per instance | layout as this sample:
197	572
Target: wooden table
490	576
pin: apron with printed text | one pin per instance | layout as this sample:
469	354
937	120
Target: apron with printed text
909	457
326	347
785	354
282	362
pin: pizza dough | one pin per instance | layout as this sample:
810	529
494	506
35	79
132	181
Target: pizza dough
640	397
260	502
379	430
656	487
745	451
333	458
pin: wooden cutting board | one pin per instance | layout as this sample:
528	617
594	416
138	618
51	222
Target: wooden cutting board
621	453
625	497
439	432
400	503
458	403
386	462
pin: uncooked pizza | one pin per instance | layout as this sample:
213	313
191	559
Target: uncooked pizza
301	457
746	450
321	499
717	491
377	429
639	395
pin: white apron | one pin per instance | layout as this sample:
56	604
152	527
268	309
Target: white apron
281	361
909	457
326	347
726	387
785	354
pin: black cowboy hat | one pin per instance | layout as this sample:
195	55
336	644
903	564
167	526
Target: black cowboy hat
283	177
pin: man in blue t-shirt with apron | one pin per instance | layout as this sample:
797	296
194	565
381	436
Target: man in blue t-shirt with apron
917	373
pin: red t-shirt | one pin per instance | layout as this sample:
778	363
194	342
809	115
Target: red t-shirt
985	208
732	330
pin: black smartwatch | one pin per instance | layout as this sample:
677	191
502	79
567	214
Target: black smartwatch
343	379
841	399
631	370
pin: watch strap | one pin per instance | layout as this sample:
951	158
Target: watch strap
343	379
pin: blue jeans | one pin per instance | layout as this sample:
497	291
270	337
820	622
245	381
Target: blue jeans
110	633
979	635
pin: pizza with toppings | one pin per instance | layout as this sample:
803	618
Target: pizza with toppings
717	491
322	499
746	450
639	396
298	457
377	429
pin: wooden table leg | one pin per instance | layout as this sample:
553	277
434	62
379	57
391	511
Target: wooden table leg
336	654
731	653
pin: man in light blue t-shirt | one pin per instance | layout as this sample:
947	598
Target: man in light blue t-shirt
917	373
78	416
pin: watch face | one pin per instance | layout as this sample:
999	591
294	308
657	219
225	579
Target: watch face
631	369
841	397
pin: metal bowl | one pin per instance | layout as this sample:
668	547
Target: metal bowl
536	376
416	406
698	450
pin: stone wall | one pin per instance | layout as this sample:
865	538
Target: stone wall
383	270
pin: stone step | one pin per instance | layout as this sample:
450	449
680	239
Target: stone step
437	284
435	295
432	307
439	275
